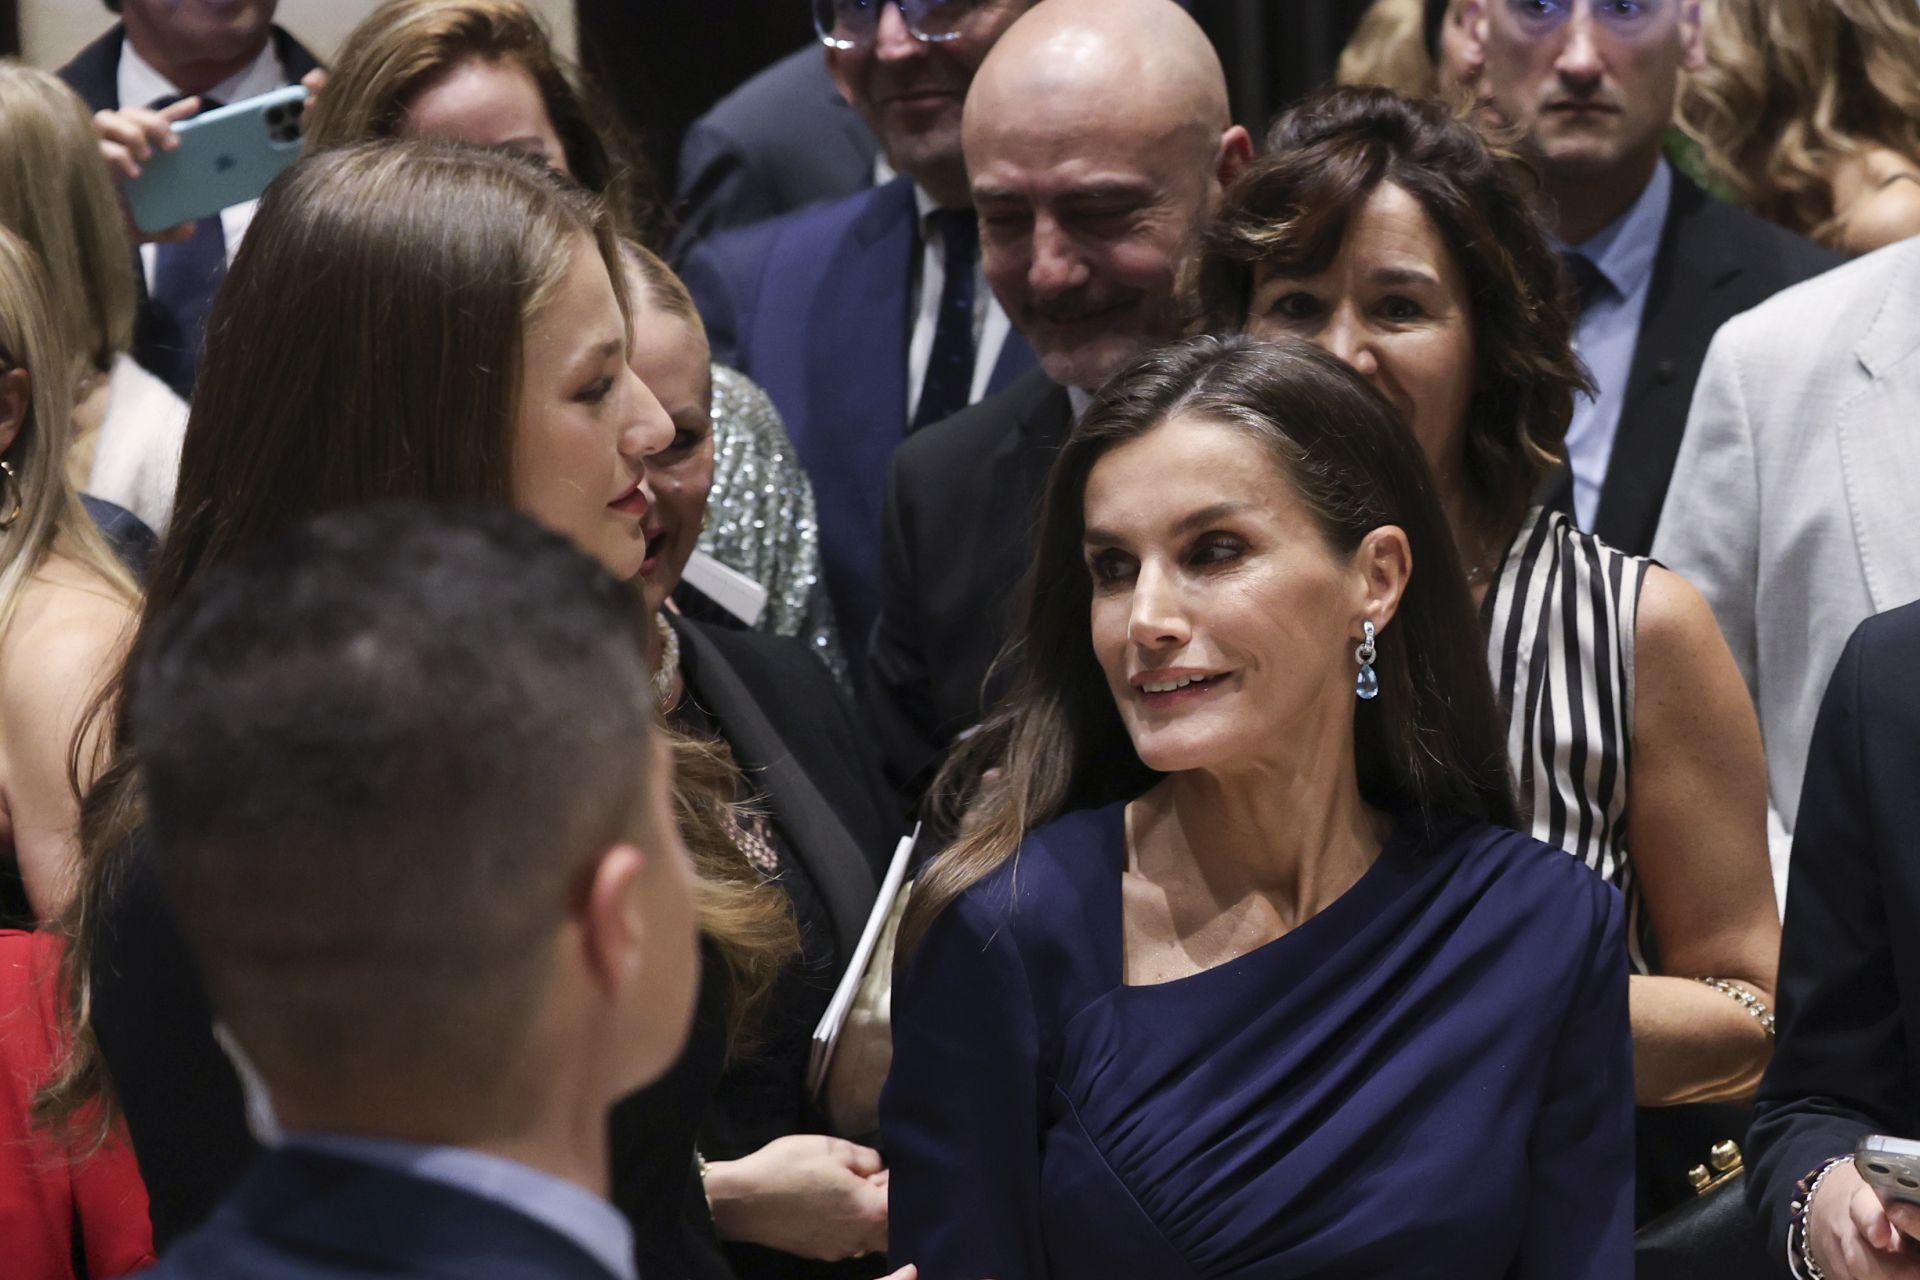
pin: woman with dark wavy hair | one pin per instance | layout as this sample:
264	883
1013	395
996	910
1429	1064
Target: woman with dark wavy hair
1235	967
1392	235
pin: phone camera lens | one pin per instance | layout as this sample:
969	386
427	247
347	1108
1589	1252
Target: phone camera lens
1874	1166
275	115
1910	1184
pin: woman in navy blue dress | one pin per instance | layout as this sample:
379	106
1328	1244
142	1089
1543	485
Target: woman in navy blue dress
1234	973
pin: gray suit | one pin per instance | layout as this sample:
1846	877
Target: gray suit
1793	504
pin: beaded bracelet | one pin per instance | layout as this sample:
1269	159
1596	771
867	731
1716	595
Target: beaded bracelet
1801	1210
1756	1007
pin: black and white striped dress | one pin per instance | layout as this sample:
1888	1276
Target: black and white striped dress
1560	618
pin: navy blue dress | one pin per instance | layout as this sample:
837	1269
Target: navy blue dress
1432	1077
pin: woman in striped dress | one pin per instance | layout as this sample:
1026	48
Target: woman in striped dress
1391	234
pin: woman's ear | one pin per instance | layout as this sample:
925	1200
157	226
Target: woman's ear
1383	563
16	396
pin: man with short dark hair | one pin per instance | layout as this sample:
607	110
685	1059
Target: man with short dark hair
1657	263
1099	142
411	812
869	318
161	51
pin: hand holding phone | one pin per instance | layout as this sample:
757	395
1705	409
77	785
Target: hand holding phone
218	158
1891	1166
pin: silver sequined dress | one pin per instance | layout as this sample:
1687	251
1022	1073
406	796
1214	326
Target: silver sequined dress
760	515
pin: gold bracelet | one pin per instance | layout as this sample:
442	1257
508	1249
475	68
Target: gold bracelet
1756	1007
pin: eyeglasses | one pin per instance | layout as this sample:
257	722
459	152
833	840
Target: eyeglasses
851	24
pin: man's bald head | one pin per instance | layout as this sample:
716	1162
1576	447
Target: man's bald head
1098	140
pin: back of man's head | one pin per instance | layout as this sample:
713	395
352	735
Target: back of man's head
1099	141
391	762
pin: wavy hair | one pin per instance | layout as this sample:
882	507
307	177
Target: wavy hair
1792	89
1429	746
1288	213
414	269
405	47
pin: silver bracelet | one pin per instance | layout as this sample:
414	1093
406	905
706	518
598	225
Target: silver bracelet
1802	1211
1756	1007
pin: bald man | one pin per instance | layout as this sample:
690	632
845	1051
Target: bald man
1098	144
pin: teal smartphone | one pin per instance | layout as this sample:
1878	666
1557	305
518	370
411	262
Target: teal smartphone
226	156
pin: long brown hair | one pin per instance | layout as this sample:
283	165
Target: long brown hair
405	47
365	345
1289	211
1793	88
1429	746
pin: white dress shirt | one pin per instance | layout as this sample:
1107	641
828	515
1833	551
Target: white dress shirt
990	323
140	83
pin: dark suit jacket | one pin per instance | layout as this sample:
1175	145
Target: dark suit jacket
783	140
814	306
303	1216
961	504
94	74
1847	1062
1714	261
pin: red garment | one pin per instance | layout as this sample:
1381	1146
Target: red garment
45	1197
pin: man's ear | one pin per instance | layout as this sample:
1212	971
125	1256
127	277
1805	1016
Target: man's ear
612	928
1236	150
16	397
1384	562
1693	35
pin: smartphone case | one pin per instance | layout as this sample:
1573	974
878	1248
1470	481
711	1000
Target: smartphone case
226	156
1891	1166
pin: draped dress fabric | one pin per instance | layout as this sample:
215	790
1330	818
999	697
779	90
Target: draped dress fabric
1431	1077
1560	615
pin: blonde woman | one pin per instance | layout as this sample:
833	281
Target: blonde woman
65	601
1809	111
57	196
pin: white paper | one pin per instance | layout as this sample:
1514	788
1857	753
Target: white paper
727	587
827	1035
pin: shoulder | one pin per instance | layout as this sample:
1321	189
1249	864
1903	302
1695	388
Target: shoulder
797	83
1675	627
1801	326
937	447
1058	867
92	72
67	631
295	58
777	670
1530	890
742	410
1773	256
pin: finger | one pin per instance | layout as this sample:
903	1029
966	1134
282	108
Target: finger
882	1178
1905	1218
119	159
905	1273
176	111
864	1161
314	81
1870	1219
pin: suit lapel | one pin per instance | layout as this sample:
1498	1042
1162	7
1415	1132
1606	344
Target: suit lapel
94	72
1691	266
1879	434
857	346
1016	361
839	867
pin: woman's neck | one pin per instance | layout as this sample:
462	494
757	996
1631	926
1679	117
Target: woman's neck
1297	833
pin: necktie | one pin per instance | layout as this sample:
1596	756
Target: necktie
949	381
185	278
1588	283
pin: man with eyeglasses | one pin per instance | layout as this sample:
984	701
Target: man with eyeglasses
868	318
1657	265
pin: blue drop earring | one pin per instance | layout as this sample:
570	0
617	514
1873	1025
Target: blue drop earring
1366	686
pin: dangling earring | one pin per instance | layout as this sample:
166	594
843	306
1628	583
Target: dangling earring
1366	685
10	483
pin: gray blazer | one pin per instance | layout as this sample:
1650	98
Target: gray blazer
1793	504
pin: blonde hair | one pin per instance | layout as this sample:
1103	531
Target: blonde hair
56	194
51	521
1389	48
405	47
1792	89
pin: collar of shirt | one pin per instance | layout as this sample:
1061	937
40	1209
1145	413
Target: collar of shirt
572	1211
140	82
1624	251
1079	399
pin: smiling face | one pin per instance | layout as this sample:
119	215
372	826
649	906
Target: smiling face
910	91
1223	621
1590	83
1087	217
671	357
586	424
490	104
1394	305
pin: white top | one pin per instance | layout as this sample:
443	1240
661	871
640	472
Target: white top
136	459
990	323
140	82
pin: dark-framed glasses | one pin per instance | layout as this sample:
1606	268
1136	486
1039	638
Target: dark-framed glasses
851	24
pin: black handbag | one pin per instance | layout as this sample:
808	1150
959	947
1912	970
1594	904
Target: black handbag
1711	1236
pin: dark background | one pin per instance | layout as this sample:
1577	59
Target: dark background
664	62
9	28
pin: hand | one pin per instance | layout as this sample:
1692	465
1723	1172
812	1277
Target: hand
804	1194
129	137
1855	1237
